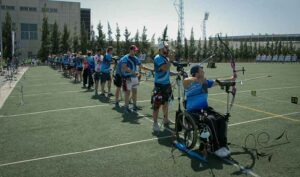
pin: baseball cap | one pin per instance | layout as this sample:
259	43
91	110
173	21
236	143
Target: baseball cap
195	69
134	48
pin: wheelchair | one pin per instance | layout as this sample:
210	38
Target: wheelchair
193	127
197	127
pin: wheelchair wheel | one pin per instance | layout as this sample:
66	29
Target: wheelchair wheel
187	133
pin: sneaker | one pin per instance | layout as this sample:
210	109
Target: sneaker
156	127
136	108
168	122
110	94
96	93
221	152
117	105
127	110
227	151
102	94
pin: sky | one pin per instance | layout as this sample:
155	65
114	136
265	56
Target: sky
231	17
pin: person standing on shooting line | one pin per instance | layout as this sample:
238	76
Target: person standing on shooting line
98	58
105	71
89	66
118	81
162	86
79	68
130	76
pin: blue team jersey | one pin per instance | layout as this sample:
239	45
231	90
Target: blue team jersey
105	65
66	60
79	61
91	62
196	95
161	77
119	67
132	63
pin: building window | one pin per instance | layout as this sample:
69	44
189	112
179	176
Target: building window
50	10
29	31
4	7
30	9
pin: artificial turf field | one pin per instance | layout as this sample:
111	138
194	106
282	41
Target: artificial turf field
63	130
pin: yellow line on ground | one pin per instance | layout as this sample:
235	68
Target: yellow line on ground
257	110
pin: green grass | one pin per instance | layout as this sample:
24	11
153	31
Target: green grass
56	132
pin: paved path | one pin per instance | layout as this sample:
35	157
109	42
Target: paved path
7	87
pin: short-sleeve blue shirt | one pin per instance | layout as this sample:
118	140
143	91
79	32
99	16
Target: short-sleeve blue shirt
161	77
196	95
105	65
132	63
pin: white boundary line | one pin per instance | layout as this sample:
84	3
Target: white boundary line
50	93
64	109
6	90
81	152
38	85
221	93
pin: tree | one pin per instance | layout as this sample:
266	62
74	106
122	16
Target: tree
179	51
144	41
55	38
83	39
45	46
137	38
165	34
152	46
255	50
226	52
109	32
118	36
241	50
210	46
92	44
192	49
76	45
204	54
127	39
199	50
279	49
65	45
101	36
7	37
291	48
186	49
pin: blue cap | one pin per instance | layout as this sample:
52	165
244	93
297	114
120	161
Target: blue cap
195	69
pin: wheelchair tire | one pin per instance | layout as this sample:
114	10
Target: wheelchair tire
188	134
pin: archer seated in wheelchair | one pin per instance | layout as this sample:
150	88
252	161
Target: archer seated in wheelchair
196	94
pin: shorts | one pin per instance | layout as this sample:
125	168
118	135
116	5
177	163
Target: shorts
79	69
105	77
161	95
70	67
97	76
66	66
118	80
130	83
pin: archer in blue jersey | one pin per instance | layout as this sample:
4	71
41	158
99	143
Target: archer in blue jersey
163	89
196	95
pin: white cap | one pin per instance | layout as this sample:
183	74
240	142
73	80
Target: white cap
162	44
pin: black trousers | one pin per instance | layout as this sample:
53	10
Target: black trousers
88	77
218	126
